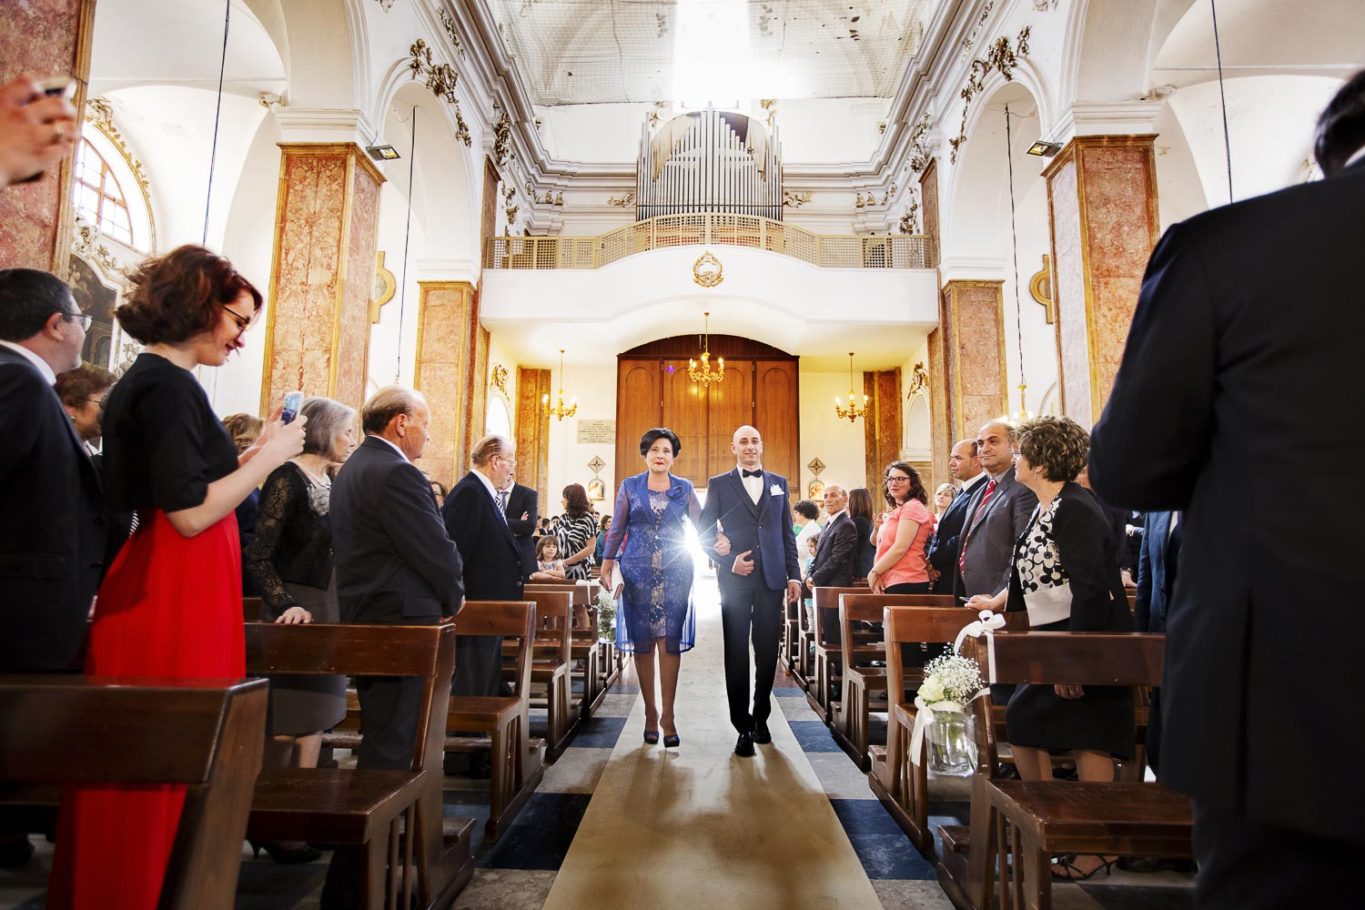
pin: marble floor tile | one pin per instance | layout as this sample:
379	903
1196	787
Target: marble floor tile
617	705
506	889
896	894
576	771
840	777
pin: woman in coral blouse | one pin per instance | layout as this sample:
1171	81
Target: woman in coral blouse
901	566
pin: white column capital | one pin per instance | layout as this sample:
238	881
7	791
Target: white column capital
329	125
1106	118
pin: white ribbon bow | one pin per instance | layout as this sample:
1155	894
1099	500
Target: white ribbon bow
986	623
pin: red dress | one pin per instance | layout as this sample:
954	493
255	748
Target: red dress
170	606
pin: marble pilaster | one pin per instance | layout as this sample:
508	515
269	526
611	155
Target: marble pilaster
972	323
1102	204
322	277
928	194
533	430
446	324
882	426
940	429
40	39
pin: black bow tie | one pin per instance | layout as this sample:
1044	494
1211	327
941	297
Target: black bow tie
758	473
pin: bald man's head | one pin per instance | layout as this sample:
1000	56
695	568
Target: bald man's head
747	445
995	446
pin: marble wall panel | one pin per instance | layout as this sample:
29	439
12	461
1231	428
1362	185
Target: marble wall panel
928	184
882	426
533	429
442	374
940	426
326	232
1102	197
42	38
975	339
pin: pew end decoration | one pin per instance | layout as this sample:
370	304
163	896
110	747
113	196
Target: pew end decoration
606	616
951	683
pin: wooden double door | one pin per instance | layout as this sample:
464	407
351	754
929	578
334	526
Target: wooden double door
656	392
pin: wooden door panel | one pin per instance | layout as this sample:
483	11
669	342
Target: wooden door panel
732	406
777	410
685	414
638	407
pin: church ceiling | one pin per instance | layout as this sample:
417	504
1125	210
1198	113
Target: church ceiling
623	51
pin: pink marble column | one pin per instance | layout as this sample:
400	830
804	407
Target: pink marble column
39	39
941	441
326	232
972	323
449	374
1102	203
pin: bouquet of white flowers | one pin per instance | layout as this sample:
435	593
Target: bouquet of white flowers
606	615
951	683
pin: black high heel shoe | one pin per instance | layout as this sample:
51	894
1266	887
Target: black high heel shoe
1066	870
672	742
652	737
285	855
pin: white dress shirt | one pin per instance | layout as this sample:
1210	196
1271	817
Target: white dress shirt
752	485
392	446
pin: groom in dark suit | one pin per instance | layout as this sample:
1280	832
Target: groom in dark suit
753	510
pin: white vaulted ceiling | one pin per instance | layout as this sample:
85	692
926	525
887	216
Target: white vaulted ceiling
619	51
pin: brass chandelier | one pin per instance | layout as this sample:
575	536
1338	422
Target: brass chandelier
703	372
854	410
560	410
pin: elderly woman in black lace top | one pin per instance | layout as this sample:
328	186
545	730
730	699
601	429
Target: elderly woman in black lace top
290	562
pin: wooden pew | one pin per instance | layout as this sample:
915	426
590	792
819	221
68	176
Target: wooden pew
900	784
813	662
505	719
551	661
1018	825
107	730
791	634
583	645
370	809
862	664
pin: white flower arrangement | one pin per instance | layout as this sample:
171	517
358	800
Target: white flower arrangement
951	682
606	615
951	678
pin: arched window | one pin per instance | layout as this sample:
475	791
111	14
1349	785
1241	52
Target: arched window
98	195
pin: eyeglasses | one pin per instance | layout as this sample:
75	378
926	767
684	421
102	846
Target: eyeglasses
897	478
243	322
81	319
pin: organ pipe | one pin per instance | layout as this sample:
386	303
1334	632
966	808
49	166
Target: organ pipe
709	161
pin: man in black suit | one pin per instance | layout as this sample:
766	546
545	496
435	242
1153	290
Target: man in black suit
492	560
753	510
1158	566
965	466
522	509
833	566
394	565
1234	385
54	535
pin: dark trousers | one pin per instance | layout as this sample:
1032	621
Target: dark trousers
1249	866
478	665
749	610
909	587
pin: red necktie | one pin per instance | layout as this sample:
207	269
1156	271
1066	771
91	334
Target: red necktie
971	526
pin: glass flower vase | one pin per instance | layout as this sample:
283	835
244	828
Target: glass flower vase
952	744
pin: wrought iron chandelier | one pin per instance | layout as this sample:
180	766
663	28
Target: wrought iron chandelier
854	410
703	372
560	410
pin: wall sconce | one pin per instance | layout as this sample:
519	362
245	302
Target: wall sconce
383	152
1044	149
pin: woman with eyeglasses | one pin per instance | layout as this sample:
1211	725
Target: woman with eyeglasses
902	566
171	603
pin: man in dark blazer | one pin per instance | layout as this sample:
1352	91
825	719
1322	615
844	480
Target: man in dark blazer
54	535
523	511
1238	383
394	562
394	565
753	510
1158	564
996	515
493	568
834	554
965	467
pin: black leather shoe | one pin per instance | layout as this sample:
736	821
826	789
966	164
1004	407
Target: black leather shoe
744	746
761	734
16	850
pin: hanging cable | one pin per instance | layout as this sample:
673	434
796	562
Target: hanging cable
407	236
1014	247
217	118
1218	51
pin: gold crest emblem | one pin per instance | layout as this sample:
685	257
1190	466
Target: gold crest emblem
707	270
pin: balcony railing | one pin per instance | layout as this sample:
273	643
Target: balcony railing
831	251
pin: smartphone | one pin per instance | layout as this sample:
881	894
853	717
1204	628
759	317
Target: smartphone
58	87
292	402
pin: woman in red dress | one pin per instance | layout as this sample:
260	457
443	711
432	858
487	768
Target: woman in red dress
171	604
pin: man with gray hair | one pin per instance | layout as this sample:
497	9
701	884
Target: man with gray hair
833	566
394	565
492	559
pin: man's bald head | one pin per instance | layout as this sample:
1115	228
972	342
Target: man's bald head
995	446
747	445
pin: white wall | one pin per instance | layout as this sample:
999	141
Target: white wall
595	387
838	443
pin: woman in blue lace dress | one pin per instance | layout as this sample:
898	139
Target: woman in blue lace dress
648	540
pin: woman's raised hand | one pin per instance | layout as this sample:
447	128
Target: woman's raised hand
281	441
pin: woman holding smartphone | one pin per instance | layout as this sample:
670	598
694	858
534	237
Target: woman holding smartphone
171	603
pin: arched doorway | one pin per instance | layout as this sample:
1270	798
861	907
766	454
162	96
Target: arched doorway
759	388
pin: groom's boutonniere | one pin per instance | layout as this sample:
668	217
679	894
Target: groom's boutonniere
775	490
